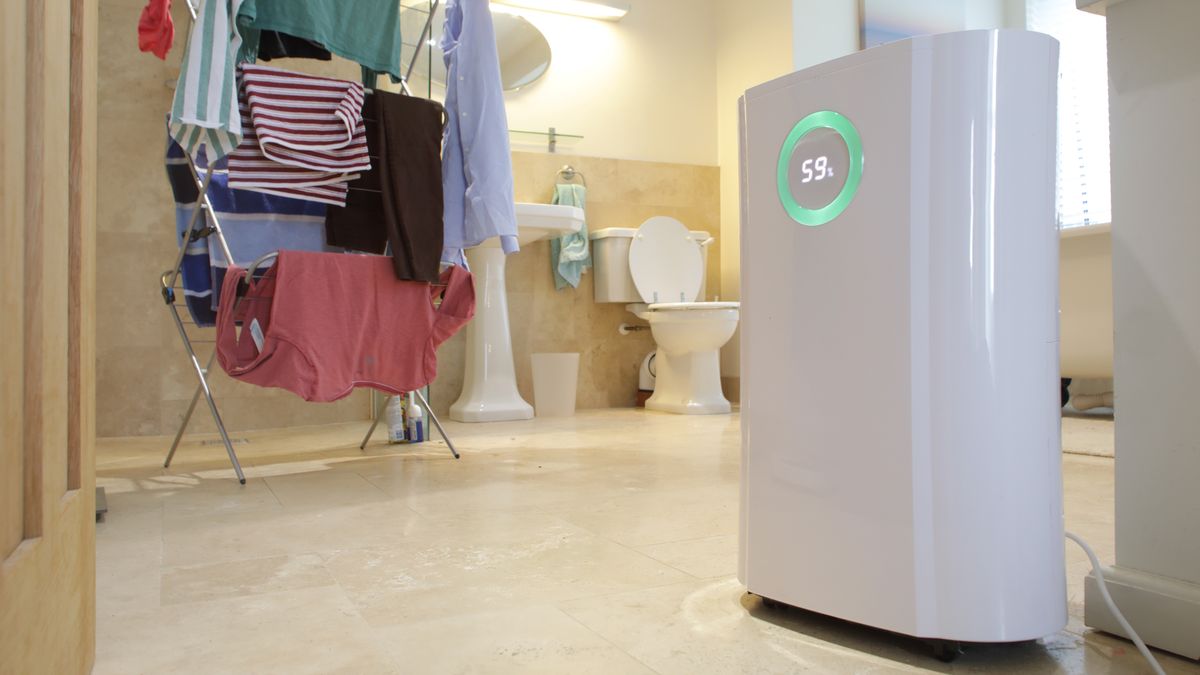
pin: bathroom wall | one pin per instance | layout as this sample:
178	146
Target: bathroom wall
620	193
143	376
1086	304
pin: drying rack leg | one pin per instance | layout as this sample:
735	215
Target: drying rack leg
436	423
375	423
201	374
187	417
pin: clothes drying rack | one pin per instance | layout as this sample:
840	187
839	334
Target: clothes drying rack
212	229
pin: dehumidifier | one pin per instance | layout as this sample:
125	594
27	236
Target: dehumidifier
899	354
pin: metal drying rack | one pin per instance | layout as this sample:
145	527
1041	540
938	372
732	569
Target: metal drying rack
169	280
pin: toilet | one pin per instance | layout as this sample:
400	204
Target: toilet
658	269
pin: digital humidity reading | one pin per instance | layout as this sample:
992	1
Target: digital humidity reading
816	169
820	167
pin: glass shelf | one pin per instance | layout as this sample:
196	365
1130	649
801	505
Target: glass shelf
551	136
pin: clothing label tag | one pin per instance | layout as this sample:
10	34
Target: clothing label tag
256	334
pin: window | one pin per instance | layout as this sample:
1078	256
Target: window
1083	164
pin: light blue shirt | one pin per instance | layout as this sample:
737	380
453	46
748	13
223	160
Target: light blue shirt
477	178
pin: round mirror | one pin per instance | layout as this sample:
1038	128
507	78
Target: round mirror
523	50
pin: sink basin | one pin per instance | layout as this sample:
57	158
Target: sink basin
536	222
542	221
489	391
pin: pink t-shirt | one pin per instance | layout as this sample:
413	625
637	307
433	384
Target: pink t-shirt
330	322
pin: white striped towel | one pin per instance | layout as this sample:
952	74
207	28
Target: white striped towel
205	109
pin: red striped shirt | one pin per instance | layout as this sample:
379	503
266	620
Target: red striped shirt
303	136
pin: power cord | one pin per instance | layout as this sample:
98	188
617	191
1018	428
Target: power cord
1112	606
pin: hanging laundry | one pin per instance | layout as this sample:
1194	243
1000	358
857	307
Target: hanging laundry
194	269
303	136
275	45
320	325
364	31
570	253
253	224
400	202
476	163
156	30
204	113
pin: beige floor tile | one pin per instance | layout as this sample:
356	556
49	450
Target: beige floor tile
128	562
127	585
128	494
660	517
312	630
186	494
1088	435
534	478
195	540
715	627
525	640
702	558
319	490
132	532
333	559
478	562
243	577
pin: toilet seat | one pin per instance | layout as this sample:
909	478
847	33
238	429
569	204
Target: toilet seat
682	306
665	262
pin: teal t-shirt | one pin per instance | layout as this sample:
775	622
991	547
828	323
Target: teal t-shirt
365	31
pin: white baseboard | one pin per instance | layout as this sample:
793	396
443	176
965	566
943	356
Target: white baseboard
1165	612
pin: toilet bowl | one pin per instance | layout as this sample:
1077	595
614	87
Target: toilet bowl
664	268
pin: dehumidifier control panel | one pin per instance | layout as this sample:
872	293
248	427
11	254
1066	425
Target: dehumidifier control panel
820	167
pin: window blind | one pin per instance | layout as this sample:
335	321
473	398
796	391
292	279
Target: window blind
1083	161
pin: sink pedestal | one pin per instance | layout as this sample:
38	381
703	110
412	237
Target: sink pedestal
490	383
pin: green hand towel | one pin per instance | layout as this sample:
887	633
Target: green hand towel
570	253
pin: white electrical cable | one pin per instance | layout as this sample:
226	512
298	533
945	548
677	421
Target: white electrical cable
1112	606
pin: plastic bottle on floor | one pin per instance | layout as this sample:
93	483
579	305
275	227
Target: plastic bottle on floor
416	420
395	420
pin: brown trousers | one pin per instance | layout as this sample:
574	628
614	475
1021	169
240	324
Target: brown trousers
399	201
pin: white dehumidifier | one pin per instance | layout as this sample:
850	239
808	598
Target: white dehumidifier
899	345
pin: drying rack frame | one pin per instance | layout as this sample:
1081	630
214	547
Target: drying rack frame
169	281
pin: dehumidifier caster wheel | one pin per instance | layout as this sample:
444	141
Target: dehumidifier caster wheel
770	603
945	650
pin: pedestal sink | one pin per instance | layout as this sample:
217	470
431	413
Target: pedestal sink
490	384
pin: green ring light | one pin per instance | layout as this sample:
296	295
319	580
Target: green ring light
824	119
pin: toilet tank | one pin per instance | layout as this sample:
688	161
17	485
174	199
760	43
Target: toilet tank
610	263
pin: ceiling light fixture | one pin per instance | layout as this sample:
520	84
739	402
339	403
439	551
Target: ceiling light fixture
591	9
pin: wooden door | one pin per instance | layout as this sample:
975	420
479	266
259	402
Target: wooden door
47	198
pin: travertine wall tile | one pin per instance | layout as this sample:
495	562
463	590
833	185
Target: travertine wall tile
620	193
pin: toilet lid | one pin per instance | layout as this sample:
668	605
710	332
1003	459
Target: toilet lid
665	262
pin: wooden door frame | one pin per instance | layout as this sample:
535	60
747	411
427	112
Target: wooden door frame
47	346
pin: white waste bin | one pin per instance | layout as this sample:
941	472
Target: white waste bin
555	377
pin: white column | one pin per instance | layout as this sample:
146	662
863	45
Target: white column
1154	96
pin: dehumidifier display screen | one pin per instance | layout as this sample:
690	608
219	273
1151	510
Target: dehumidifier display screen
820	166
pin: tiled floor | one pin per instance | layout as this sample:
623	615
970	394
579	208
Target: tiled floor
602	543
